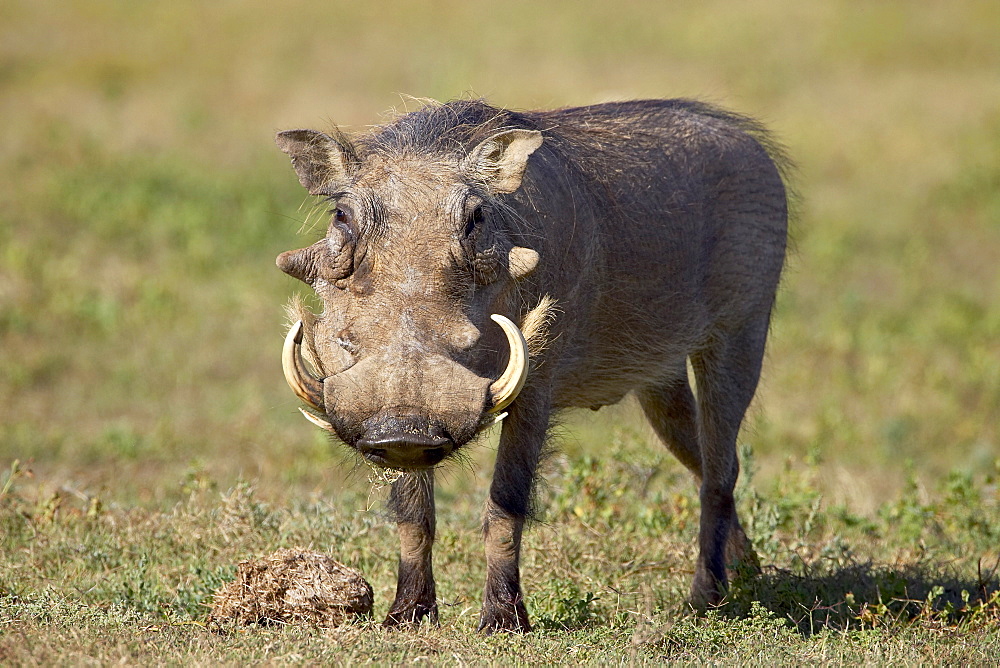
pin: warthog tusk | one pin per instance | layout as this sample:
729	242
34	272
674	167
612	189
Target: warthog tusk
305	386
316	420
491	420
506	388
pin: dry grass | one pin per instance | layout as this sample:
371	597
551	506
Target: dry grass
291	586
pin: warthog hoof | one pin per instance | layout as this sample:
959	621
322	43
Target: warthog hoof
410	614
706	591
510	618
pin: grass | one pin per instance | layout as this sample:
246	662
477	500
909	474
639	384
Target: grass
609	568
148	443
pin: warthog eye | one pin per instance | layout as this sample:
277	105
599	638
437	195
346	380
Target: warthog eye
474	219
343	215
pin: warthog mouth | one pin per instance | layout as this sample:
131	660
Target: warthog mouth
394	457
404	443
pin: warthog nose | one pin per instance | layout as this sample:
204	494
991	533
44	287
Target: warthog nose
403	444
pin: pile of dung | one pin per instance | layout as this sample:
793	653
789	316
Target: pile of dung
292	586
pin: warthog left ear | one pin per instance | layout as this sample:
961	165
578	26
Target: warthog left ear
500	160
320	161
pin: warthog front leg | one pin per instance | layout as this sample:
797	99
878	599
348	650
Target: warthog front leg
503	602
503	521
411	500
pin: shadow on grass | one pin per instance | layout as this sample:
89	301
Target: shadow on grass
869	595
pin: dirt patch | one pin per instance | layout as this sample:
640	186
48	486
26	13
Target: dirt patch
292	586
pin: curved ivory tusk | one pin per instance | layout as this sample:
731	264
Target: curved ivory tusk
316	420
506	388
306	387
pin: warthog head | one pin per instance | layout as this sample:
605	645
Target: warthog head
418	264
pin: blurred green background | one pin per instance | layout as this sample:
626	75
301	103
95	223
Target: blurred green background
142	203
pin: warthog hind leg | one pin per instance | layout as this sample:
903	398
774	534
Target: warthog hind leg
672	411
727	374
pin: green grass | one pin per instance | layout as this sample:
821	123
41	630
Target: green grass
156	445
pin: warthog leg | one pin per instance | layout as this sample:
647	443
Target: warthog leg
503	520
727	374
411	500
671	410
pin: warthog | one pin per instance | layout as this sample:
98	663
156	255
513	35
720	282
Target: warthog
610	244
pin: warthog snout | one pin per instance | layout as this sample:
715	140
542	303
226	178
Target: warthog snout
374	413
405	442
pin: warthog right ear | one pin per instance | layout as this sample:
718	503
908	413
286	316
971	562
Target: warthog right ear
320	161
500	161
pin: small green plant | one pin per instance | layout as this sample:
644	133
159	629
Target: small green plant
566	607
